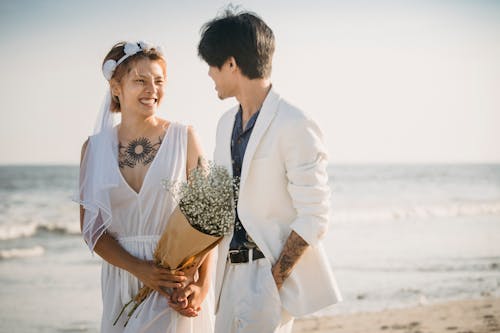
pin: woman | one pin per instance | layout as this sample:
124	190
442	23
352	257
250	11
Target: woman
124	208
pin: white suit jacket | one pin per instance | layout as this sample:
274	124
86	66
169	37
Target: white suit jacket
283	187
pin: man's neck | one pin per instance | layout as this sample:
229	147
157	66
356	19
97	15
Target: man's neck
251	97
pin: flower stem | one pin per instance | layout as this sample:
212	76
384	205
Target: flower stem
123	309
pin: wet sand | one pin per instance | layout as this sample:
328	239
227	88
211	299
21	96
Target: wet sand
467	316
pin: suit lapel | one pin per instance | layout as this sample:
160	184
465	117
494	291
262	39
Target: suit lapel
223	148
266	115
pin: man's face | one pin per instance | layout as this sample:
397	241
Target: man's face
224	79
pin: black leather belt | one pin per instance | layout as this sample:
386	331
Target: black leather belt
242	256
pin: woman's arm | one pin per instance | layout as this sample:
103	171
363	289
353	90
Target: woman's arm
151	275
194	151
110	250
189	300
82	154
196	292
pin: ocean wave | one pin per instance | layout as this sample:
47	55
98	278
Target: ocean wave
32	229
35	251
421	212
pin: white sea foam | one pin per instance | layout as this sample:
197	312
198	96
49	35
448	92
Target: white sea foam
35	251
11	231
345	214
17	231
420	212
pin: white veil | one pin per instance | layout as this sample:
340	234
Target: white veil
99	171
98	175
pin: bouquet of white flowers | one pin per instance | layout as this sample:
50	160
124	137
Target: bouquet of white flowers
205	213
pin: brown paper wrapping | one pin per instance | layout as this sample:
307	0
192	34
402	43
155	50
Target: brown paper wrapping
181	245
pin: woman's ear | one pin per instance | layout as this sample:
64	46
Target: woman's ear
115	88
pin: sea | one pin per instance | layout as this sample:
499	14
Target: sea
400	236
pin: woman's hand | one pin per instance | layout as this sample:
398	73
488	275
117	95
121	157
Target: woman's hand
183	308
146	271
189	299
158	278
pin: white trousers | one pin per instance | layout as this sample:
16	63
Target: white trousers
250	302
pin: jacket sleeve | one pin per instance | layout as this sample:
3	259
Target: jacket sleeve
306	163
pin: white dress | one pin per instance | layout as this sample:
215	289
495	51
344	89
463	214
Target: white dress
138	220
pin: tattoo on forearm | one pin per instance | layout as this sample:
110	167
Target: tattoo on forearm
137	151
292	251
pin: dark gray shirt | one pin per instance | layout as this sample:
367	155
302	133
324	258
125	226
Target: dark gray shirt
239	142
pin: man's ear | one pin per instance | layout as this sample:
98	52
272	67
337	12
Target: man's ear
231	63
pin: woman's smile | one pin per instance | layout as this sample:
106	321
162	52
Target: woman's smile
148	101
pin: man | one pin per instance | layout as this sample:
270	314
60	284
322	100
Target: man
273	268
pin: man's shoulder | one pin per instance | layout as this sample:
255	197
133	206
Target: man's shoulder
292	121
290	113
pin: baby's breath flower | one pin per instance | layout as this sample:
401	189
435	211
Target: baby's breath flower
206	198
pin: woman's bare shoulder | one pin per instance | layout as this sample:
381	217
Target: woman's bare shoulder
84	149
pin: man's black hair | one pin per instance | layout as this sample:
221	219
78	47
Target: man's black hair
244	36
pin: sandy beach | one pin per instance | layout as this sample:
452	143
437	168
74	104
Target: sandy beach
468	316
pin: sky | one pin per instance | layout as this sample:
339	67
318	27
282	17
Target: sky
388	81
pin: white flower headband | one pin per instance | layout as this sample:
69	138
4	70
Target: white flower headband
108	68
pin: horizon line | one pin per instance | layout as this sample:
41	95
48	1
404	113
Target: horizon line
345	163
